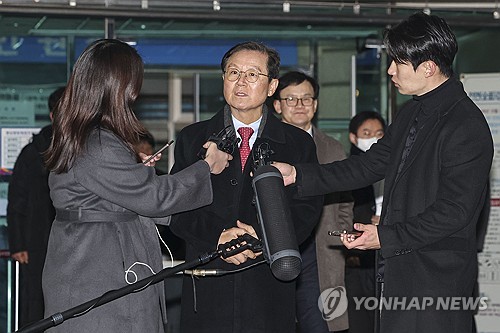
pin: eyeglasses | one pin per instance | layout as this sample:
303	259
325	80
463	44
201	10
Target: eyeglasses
251	75
294	101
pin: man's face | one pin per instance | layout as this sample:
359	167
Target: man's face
246	98
407	80
370	128
298	115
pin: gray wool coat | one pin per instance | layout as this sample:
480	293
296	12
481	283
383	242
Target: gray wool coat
107	206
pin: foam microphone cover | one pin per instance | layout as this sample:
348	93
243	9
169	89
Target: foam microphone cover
278	233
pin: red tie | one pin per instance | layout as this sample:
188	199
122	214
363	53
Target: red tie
245	133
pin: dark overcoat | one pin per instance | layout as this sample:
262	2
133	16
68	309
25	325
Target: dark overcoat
252	300
29	217
104	234
430	209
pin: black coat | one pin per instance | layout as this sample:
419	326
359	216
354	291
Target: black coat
30	214
430	210
252	300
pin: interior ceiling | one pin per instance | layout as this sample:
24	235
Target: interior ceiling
227	19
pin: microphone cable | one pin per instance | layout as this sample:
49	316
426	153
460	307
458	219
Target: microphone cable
218	271
212	272
227	249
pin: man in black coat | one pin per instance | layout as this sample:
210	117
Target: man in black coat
29	217
435	158
250	300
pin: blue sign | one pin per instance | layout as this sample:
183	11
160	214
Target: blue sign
202	52
33	49
169	52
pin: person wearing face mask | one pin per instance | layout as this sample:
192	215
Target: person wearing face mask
365	144
365	129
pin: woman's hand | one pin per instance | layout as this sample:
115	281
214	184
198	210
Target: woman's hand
216	159
152	162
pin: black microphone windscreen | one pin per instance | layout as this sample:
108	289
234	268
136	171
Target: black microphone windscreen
278	233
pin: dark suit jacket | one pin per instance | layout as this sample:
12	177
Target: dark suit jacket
252	300
430	210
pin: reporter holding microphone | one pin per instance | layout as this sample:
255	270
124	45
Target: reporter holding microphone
107	204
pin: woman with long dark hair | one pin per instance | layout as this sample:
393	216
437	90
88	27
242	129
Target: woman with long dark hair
107	204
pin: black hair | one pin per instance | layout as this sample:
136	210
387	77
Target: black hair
147	137
363	116
295	78
421	38
105	82
273	58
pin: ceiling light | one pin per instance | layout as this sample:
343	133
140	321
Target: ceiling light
496	15
286	7
356	8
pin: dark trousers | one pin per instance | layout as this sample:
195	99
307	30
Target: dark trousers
360	282
31	307
307	293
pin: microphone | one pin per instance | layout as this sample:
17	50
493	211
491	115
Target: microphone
274	216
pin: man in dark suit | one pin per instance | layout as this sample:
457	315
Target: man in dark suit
435	157
252	299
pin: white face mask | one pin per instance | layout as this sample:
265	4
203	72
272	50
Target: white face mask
365	144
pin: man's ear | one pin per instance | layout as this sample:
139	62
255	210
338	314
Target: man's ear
277	105
272	87
353	139
430	68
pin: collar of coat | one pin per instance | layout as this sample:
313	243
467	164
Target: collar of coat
270	127
441	98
